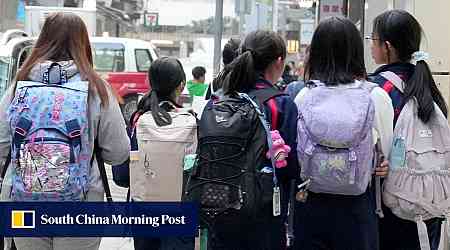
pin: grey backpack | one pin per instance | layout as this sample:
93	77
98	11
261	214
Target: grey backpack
156	169
418	185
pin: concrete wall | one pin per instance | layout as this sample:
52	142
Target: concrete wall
434	18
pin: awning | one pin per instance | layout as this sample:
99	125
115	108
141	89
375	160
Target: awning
115	14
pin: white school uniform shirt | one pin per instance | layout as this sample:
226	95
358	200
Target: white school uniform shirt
384	115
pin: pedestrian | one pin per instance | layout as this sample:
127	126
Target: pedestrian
164	138
286	78
295	87
86	114
335	207
395	42
197	86
229	53
232	156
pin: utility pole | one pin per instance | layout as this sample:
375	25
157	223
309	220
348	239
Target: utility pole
241	9
2	9
275	15
218	21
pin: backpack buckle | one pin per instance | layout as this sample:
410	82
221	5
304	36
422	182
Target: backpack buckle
75	133
352	156
21	131
309	149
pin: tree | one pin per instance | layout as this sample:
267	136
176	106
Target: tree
206	26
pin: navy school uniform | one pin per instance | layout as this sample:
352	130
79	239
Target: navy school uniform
337	222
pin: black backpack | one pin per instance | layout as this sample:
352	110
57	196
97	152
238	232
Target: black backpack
226	179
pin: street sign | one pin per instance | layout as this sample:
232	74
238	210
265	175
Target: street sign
329	8
151	19
306	31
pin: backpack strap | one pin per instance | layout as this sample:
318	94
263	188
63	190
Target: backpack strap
101	167
267	96
5	168
445	235
276	206
394	79
423	234
378	159
291	217
266	125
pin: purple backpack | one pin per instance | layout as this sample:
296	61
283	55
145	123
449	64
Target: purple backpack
335	141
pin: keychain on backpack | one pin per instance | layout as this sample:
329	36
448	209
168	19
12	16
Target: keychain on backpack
302	194
276	201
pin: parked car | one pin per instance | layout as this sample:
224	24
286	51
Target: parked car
122	62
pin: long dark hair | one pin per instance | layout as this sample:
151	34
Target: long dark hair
336	54
64	37
404	33
165	76
257	52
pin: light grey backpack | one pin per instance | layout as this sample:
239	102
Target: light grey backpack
156	169
418	185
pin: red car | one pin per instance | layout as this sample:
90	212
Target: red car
122	62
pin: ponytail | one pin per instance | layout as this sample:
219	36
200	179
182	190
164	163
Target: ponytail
243	75
151	102
165	75
257	52
422	87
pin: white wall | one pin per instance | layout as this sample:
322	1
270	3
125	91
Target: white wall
89	4
435	20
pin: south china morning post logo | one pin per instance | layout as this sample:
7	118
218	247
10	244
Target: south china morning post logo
98	219
93	219
23	219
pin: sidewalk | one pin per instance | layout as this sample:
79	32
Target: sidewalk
118	194
116	243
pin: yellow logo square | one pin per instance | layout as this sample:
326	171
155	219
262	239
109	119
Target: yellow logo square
22	219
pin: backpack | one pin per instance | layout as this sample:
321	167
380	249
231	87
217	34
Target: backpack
50	156
156	168
121	173
335	141
229	177
417	186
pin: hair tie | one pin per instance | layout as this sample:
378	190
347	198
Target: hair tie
242	51
420	56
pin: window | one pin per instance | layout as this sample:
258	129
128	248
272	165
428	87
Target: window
4	74
143	60
109	57
24	55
